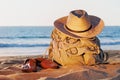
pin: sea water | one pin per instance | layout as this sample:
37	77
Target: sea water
32	40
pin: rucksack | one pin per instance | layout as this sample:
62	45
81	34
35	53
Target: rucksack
67	50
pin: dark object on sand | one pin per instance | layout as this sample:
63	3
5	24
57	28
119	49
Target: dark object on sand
30	65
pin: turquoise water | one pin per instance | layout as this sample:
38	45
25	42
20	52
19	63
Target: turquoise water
34	40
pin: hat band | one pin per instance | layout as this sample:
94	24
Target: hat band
78	31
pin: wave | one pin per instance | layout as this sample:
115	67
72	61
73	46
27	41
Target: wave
23	45
24	37
7	45
111	43
109	36
39	42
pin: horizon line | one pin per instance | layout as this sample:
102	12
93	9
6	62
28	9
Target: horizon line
40	25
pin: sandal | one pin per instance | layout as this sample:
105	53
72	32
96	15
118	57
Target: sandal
29	66
48	63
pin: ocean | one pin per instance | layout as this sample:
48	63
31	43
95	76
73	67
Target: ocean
32	40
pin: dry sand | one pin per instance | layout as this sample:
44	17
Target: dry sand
10	69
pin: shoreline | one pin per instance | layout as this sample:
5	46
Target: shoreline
41	52
108	51
25	51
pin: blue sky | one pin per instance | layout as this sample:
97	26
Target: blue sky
45	12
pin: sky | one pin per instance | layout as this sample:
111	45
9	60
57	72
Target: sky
45	12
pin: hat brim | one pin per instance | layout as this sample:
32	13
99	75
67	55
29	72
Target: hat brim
97	26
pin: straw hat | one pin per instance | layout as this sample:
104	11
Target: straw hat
79	24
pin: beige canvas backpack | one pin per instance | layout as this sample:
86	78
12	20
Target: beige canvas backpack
67	50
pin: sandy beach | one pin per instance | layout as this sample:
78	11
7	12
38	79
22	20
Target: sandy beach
10	69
